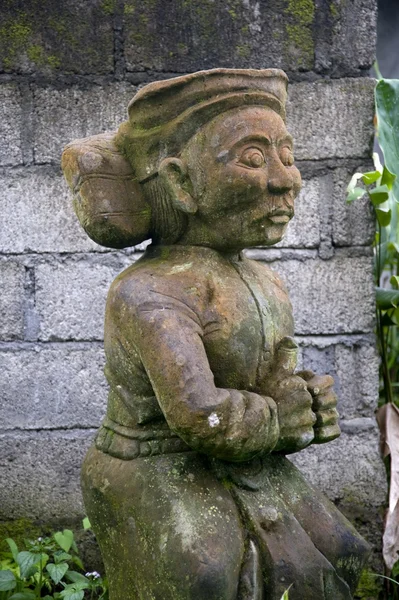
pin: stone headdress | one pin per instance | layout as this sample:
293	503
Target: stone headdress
105	172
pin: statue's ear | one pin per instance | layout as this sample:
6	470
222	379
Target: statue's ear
173	174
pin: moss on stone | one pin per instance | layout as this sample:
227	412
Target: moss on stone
128	10
14	38
18	530
243	51
300	14
370	586
334	12
108	6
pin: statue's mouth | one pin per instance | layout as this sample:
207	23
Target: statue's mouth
280	218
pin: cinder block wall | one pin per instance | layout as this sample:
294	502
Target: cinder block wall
68	70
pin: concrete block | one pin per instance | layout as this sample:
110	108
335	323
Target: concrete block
353	362
357	378
349	469
10	124
12	277
328	119
74	36
331	118
189	36
70	297
353	224
354	36
52	386
36	213
42	471
62	115
304	229
332	296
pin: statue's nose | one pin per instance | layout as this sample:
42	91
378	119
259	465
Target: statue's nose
280	179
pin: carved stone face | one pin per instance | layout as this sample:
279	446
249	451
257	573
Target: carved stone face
242	179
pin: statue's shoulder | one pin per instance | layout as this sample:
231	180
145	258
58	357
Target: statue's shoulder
157	276
264	271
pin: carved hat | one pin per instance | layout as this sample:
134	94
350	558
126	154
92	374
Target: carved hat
164	115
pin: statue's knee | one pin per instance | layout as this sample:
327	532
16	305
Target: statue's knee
215	582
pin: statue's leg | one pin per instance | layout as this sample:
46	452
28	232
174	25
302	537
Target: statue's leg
331	533
167	528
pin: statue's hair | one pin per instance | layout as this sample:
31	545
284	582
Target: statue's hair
167	223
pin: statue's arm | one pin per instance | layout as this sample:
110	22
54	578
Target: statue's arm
229	424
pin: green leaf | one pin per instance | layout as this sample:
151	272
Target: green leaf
78	562
74	591
7	581
26	595
394	281
387	104
387	299
285	596
371	177
76	577
388	178
72	595
27	560
379	194
355	194
60	556
86	523
13	547
383	216
64	539
57	572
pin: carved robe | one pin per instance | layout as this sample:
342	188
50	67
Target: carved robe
182	470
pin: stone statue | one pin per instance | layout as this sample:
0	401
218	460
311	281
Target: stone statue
187	485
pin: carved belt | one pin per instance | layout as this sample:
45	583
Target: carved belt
127	443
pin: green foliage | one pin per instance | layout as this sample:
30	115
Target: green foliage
45	569
382	188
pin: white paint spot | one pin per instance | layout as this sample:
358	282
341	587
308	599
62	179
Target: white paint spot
213	420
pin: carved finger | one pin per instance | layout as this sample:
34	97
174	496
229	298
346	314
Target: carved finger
326	434
325	401
319	384
307	374
326	418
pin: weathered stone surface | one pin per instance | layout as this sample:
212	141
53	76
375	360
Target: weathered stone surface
62	115
36	213
353	362
11	300
354	36
304	230
324	294
47	36
42	473
10	124
192	35
344	469
331	118
353	224
295	36
357	377
70	297
52	386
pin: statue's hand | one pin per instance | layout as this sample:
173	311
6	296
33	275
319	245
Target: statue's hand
295	415
324	405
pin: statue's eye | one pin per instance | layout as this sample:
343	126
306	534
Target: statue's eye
252	157
286	156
